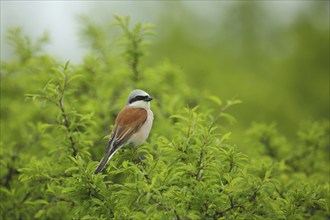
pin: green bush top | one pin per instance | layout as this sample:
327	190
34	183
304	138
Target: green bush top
51	145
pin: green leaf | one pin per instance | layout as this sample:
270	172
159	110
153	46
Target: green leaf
40	213
178	117
71	169
137	28
97	201
67	63
59	72
225	137
37	202
215	100
148	26
228	117
74	77
233	102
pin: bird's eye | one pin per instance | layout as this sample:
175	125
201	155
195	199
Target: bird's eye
138	98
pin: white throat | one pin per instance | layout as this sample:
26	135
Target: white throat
140	104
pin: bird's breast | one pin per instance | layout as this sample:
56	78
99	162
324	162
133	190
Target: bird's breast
142	134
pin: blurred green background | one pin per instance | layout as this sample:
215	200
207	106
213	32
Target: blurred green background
272	55
278	68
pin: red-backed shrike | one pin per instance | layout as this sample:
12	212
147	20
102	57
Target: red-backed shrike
132	126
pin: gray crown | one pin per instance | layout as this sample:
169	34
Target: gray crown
136	93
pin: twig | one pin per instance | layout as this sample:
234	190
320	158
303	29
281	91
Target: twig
199	165
10	174
176	215
232	207
65	117
135	61
67	125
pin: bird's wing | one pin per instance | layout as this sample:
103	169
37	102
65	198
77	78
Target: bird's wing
129	121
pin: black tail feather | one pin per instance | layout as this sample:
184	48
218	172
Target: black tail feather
110	151
101	165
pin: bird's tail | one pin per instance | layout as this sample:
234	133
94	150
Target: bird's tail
110	151
101	165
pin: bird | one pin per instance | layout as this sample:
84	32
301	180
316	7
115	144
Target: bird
132	125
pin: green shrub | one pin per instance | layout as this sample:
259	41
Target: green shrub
51	145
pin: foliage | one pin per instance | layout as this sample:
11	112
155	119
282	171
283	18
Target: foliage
279	65
51	145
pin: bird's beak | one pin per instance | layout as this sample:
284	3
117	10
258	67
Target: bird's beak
148	99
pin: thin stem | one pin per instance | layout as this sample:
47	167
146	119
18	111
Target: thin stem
65	117
201	155
177	215
199	165
67	125
135	48
232	207
11	172
135	61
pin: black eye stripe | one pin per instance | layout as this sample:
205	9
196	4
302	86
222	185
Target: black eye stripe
138	98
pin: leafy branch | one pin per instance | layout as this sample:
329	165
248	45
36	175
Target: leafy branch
134	42
230	208
23	45
55	92
201	155
211	128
